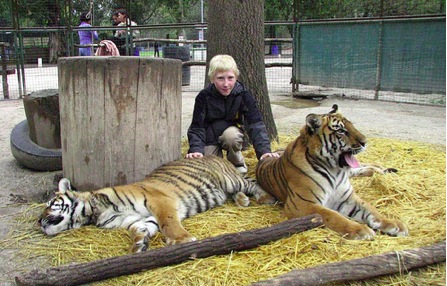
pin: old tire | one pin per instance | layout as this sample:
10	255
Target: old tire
31	155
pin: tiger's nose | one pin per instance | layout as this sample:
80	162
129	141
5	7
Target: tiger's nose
362	140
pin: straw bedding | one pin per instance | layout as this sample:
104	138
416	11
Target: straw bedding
416	195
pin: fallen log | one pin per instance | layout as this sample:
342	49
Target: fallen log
169	255
362	268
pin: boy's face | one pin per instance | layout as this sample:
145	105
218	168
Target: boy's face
224	82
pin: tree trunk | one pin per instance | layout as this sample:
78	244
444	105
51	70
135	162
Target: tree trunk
236	28
174	254
56	47
363	268
56	41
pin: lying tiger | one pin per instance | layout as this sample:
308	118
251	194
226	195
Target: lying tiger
168	195
312	176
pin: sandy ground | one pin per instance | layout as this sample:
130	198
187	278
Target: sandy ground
19	186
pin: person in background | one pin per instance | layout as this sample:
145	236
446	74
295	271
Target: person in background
120	42
114	22
86	37
156	49
221	111
122	17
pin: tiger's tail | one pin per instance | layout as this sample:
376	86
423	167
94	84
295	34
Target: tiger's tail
254	189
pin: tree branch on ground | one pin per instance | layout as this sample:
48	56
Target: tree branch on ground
169	255
363	268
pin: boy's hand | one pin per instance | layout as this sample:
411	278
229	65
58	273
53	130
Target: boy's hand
274	155
194	155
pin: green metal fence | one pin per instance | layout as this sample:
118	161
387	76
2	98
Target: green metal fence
405	56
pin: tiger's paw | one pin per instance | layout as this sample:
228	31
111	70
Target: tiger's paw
170	241
393	227
367	170
358	231
241	199
266	199
141	245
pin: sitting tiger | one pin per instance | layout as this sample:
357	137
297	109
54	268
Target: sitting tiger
312	176
171	193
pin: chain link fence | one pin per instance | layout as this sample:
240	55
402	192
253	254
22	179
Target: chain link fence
36	71
394	59
30	52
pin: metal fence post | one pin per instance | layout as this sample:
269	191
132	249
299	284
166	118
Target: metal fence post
4	71
296	58
379	61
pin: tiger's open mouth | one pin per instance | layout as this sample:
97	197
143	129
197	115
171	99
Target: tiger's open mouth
348	159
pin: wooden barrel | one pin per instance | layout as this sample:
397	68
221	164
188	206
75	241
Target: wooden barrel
120	118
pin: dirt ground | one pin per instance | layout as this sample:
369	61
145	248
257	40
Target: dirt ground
19	186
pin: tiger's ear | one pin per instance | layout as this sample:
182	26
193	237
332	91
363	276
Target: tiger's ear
64	185
313	123
334	109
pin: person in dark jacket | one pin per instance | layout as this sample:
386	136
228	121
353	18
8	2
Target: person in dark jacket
221	111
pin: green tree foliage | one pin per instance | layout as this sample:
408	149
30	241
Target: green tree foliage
46	13
182	10
5	13
281	10
326	9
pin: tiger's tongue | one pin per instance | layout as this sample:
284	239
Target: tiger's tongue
351	160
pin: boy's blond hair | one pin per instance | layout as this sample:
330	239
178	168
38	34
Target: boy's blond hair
222	63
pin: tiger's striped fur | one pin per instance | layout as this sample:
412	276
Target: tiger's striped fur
312	176
171	193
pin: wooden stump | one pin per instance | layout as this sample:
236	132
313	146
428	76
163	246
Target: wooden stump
42	115
120	118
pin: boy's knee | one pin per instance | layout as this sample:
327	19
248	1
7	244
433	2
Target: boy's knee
231	136
232	139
